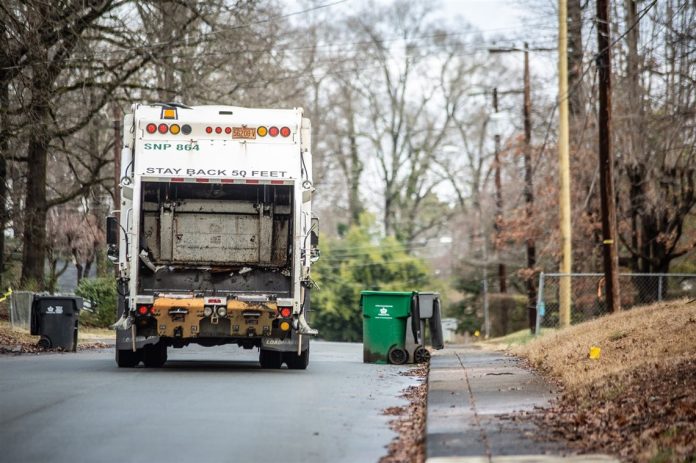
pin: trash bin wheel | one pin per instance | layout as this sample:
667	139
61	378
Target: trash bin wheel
155	355
297	362
421	355
126	358
270	359
44	343
397	355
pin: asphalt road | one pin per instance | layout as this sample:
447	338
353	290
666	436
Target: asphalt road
205	405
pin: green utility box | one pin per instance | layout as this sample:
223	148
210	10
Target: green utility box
384	325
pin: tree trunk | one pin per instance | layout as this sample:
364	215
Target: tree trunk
4	147
34	250
356	167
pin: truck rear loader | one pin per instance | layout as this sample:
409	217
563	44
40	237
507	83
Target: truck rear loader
214	238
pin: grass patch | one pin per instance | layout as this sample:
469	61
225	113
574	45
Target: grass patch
661	334
518	338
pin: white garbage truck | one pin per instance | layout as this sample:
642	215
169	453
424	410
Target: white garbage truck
214	236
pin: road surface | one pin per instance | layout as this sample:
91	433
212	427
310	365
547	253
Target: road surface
205	405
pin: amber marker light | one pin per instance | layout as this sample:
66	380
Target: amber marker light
285	326
174	129
262	131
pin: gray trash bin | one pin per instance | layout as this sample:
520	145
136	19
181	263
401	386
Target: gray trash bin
435	325
430	310
55	319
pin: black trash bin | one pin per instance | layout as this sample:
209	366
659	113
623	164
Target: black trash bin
55	319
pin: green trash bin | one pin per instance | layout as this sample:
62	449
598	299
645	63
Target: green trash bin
384	325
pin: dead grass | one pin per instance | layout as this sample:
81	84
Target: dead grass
660	334
18	341
638	400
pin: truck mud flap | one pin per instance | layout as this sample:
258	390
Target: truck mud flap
123	340
284	345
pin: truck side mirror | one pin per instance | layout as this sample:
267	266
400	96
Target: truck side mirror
112	238
314	239
112	231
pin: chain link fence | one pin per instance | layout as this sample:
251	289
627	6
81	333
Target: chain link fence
20	309
588	298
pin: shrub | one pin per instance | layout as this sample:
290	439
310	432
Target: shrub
102	293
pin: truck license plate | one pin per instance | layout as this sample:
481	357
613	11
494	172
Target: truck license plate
247	133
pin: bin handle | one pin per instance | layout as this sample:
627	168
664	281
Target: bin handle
415	315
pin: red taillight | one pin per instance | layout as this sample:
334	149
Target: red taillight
208	130
285	132
152	310
163	128
285	312
273	131
151	128
228	130
218	130
143	310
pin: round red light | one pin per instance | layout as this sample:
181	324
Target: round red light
152	310
142	310
285	131
218	130
163	128
285	312
228	130
151	128
208	130
273	131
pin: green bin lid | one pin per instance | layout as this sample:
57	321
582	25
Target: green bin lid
386	304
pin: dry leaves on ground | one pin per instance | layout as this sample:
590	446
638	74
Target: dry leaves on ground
651	418
409	445
638	401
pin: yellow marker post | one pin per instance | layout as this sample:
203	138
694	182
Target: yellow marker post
595	353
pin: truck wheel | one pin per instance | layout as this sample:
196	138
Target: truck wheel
155	355
270	359
126	358
297	362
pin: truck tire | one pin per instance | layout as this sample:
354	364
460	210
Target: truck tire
126	358
155	355
297	362
270	359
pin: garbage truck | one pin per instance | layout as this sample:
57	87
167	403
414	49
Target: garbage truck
213	236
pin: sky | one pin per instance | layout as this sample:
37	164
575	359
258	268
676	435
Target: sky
490	16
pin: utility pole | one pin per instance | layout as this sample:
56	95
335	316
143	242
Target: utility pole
528	177
529	194
502	277
564	165
606	161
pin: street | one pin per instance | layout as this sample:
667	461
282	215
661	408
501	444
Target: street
206	404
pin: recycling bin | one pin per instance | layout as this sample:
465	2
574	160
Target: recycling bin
385	314
55	319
